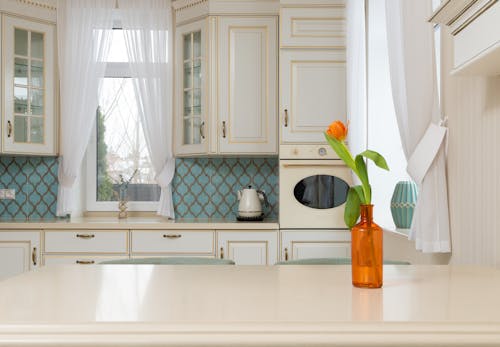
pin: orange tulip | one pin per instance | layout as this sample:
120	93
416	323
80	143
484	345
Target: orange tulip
337	130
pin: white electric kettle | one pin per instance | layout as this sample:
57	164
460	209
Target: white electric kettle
250	206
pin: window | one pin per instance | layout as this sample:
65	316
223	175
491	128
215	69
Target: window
118	147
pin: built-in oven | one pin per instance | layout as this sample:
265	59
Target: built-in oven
313	193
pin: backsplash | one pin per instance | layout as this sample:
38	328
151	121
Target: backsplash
206	187
202	187
35	182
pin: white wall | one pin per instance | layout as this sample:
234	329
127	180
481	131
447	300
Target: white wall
472	105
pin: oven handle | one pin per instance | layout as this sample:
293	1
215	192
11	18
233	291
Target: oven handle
312	165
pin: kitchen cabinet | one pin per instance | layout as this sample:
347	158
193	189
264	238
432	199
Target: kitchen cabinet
19	252
248	247
28	69
304	244
312	69
476	38
226	82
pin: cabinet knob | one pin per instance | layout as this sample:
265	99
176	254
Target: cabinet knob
224	129
285	119
286	254
172	236
85	262
9	128
33	256
222	252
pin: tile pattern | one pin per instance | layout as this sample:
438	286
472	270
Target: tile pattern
35	182
206	187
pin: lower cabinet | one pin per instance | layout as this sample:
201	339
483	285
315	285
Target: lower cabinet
248	247
19	252
304	244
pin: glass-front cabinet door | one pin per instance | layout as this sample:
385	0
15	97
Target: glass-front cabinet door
28	70
191	129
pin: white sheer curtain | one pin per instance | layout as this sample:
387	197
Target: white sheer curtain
356	76
414	89
147	28
82	46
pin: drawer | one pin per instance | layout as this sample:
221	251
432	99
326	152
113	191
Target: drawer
173	241
49	260
313	27
305	244
86	241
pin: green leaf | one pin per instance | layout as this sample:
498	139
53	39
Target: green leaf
352	209
341	151
361	194
377	158
363	176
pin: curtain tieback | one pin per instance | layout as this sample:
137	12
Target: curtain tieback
167	173
425	152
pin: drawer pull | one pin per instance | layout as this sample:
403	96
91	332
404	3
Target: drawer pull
222	252
172	236
85	236
286	118
85	262
286	254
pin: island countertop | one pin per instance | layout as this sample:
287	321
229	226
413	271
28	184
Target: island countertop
146	305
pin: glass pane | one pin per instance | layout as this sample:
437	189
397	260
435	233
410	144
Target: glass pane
20	129
197	74
20	100
122	152
187	46
197	44
37	45
196	134
20	42
36	130
321	191
36	100
21	71
197	101
188	132
187	102
187	75
37	74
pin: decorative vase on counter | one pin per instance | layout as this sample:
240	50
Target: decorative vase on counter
403	203
367	251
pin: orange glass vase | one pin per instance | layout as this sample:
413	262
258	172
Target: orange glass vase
366	251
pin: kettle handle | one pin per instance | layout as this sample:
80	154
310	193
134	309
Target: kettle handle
263	197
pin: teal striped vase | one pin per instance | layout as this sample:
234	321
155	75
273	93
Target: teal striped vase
403	203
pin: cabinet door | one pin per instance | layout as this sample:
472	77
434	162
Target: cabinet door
28	70
19	252
191	111
313	93
247	85
305	244
248	247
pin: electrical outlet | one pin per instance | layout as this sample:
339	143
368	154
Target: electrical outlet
9	194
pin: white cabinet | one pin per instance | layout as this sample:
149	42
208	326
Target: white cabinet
173	242
304	244
313	93
248	85
28	70
19	252
226	85
248	247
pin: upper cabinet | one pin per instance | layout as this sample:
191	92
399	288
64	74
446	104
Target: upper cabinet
226	78
28	69
476	35
312	69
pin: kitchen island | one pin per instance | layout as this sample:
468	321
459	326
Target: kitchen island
146	305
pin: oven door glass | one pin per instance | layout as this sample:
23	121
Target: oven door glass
321	191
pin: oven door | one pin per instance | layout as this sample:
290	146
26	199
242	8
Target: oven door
313	193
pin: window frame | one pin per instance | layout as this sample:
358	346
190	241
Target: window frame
113	70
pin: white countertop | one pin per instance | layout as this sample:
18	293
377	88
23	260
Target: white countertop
110	223
251	305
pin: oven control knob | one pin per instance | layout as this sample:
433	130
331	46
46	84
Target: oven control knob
322	151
